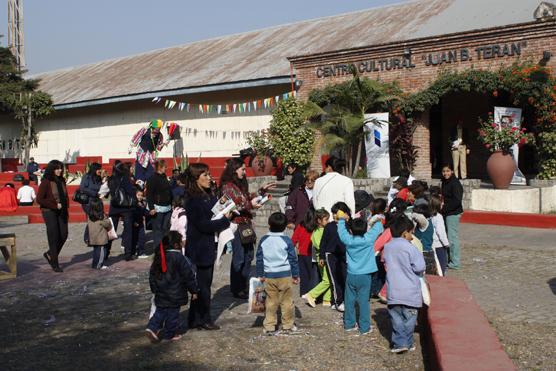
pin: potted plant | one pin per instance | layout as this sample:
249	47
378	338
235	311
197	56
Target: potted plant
261	163
499	140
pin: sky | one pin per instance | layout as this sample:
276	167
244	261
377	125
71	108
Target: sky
66	33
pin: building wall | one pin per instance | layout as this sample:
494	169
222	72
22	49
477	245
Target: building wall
532	39
106	130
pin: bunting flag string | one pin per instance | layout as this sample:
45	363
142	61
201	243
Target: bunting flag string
219	109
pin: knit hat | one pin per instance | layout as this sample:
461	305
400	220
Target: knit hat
362	199
156	124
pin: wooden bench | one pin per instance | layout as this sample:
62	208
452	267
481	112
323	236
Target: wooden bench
7	245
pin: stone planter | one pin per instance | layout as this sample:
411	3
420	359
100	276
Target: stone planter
262	167
501	168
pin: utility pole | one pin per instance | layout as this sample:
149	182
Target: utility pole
15	31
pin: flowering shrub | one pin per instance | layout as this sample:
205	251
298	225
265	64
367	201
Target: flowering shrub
501	137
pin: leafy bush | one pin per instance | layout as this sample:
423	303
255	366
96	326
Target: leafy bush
291	138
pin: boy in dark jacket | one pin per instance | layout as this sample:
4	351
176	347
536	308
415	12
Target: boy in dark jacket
171	276
333	253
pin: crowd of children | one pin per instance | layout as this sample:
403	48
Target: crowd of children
340	259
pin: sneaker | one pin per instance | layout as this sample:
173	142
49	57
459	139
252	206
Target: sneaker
399	350
176	338
365	333
412	349
353	329
270	333
310	301
104	267
326	304
340	308
143	256
153	337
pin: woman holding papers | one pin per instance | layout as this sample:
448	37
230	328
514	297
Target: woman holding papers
200	242
233	184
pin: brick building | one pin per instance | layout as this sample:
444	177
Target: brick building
99	106
415	63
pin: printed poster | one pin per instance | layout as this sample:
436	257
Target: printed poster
511	117
377	145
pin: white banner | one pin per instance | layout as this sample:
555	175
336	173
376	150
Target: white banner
377	145
511	117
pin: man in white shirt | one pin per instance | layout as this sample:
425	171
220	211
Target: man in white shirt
26	194
333	187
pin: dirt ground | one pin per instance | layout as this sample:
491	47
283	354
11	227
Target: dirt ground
92	320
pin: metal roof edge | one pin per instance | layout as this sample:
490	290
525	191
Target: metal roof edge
278	80
533	24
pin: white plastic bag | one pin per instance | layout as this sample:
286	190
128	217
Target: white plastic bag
425	291
112	235
257	296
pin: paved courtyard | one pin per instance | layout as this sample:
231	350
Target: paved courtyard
94	319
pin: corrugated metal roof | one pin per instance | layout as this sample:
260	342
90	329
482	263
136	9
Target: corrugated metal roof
262	54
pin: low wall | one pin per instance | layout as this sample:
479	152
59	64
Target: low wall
459	335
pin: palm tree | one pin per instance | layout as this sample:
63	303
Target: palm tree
345	105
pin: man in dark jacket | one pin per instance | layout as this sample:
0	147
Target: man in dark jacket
159	202
32	168
171	276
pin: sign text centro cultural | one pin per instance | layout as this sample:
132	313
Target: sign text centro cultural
431	59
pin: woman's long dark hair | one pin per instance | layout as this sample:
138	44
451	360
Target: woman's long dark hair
170	241
51	167
96	210
230	175
93	168
191	175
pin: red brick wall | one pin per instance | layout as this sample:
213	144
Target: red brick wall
538	36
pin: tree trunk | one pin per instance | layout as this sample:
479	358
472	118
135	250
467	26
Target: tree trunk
357	158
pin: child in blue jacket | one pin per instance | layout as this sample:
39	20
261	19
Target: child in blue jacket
360	265
277	267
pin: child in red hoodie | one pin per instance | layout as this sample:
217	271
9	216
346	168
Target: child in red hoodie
301	239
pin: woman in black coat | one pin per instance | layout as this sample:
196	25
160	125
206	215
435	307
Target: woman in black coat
201	245
121	179
54	202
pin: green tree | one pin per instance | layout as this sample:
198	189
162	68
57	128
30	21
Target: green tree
290	137
345	105
20	99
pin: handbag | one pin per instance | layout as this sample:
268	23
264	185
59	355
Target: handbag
247	234
112	235
121	199
80	197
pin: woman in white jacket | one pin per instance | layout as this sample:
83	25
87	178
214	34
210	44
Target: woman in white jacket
333	187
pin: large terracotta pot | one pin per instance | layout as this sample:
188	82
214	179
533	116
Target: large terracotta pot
262	167
501	168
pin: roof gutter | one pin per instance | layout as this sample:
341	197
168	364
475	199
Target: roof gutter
173	92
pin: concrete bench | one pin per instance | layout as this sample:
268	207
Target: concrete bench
8	248
459	335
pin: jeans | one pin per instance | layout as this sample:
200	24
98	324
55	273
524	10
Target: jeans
378	278
240	269
442	255
278	294
161	226
358	289
167	319
56	232
452	227
99	254
308	275
142	173
403	319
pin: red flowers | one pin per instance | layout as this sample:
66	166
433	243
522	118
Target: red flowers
495	93
487	145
